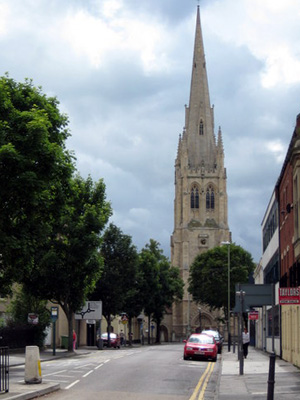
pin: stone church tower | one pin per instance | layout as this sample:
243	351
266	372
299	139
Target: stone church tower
200	206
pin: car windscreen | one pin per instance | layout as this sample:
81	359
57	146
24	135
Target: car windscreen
105	336
214	334
201	339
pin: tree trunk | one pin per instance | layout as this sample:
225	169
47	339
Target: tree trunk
149	328
70	329
129	330
108	319
158	331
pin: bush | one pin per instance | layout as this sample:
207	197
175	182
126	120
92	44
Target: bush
16	337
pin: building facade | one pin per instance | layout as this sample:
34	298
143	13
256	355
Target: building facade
289	245
267	272
200	205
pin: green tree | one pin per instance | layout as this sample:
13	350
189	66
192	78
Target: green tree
208	281
171	290
133	304
161	284
67	268
35	169
117	283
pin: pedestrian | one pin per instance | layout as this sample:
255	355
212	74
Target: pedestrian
246	341
74	339
130	336
122	337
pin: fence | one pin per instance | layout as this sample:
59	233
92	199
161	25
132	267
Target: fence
4	370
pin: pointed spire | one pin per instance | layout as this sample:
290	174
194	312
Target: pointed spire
199	114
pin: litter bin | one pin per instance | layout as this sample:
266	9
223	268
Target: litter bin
100	344
64	342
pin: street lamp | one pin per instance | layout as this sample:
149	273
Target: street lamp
228	293
241	295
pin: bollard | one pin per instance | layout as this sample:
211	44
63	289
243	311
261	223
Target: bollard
33	371
271	380
241	352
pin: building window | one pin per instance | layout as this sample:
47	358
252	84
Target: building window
210	198
201	128
270	226
194	197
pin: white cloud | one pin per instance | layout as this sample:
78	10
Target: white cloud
97	37
277	148
4	15
268	29
121	70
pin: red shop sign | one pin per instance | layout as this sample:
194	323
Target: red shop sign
289	295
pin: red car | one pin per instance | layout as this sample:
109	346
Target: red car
200	345
114	340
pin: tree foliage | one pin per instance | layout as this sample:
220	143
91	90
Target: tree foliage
35	169
208	282
68	266
117	285
161	283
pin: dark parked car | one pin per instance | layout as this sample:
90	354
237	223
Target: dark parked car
218	338
200	345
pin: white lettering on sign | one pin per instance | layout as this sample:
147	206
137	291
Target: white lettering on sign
289	291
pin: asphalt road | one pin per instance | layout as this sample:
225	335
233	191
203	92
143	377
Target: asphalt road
144	373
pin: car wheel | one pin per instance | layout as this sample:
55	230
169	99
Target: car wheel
185	357
214	359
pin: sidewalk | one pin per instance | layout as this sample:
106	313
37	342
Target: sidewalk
253	384
24	391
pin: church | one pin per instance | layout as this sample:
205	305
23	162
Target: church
200	204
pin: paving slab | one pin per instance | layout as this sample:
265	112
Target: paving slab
253	383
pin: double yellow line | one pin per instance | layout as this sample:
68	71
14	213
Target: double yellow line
202	384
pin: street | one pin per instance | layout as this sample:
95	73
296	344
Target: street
150	372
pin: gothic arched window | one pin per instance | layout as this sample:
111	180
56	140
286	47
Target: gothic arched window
201	128
210	198
194	197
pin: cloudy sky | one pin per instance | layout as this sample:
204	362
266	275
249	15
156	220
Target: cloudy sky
121	70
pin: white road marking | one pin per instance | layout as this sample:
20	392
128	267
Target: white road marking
55	373
100	365
72	384
88	373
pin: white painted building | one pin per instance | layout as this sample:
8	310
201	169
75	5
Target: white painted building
267	272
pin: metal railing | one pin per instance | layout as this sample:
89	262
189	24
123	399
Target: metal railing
4	369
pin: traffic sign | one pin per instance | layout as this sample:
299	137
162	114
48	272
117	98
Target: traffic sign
253	315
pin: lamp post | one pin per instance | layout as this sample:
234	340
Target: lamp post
241	295
228	292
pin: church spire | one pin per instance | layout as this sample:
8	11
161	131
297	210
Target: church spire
199	114
200	204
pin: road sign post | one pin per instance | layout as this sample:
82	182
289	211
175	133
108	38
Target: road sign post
54	318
